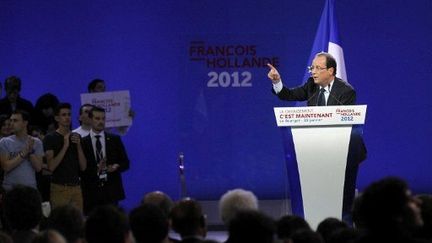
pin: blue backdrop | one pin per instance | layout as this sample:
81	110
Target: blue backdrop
228	134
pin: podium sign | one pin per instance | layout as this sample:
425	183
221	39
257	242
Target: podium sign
320	115
321	139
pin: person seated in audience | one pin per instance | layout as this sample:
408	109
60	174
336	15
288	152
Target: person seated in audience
13	100
234	201
344	235
388	212
149	224
107	224
159	199
188	220
306	236
288	225
69	221
251	226
23	212
49	236
328	226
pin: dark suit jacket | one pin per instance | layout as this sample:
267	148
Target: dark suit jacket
112	191
341	93
21	104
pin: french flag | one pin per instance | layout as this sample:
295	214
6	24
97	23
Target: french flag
327	40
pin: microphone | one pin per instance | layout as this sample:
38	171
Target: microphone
183	190
310	98
338	101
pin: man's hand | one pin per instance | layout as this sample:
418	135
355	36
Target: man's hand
66	140
76	139
273	74
113	167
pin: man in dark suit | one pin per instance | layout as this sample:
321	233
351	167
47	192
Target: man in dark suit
107	158
323	80
321	89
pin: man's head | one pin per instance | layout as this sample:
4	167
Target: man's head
234	201
13	88
5	126
67	220
97	116
84	118
188	219
149	224
62	115
19	122
251	226
388	204
159	199
22	207
96	86
323	69
107	224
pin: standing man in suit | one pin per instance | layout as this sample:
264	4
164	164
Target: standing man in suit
322	86
107	158
321	89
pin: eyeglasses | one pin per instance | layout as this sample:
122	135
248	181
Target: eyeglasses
311	68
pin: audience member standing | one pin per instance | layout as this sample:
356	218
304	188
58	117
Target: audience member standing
13	101
44	112
66	159
107	159
20	154
84	120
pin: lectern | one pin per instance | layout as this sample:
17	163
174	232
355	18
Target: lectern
318	143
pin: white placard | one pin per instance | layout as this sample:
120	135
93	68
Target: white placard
320	115
116	105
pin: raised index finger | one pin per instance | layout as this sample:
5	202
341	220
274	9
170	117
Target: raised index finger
270	66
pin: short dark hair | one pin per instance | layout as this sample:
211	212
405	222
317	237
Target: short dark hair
330	61
67	220
187	217
148	223
85	105
24	114
12	83
97	109
289	224
106	224
92	85
60	106
22	207
251	226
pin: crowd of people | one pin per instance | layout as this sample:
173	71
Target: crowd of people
385	212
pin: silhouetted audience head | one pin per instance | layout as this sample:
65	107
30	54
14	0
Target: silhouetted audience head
387	205
234	201
49	236
149	224
107	224
44	112
251	226
68	220
328	226
188	219
22	207
96	85
306	236
159	199
289	224
344	235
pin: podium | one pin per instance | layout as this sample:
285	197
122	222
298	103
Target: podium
318	148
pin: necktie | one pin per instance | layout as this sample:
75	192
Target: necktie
99	154
321	98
